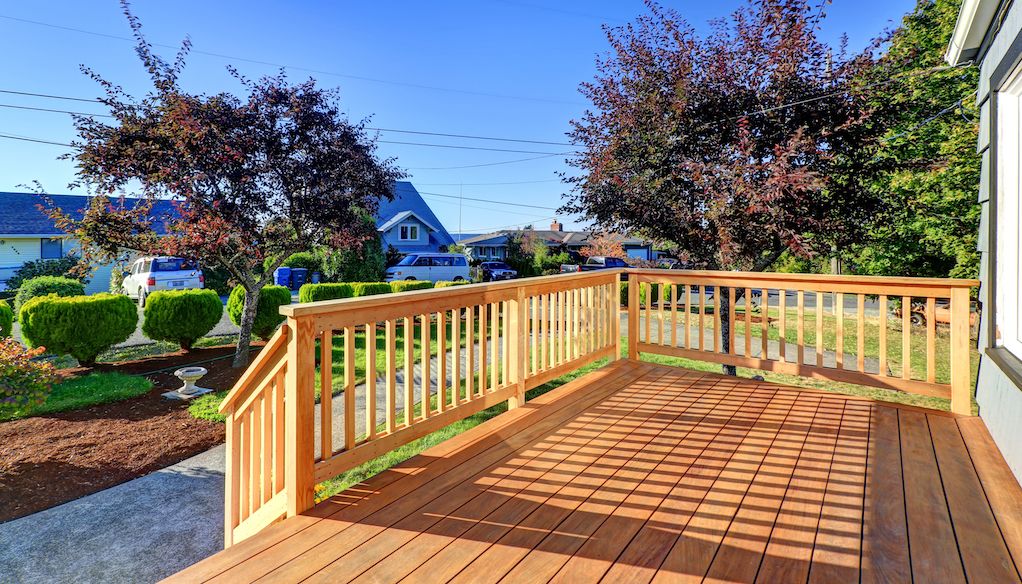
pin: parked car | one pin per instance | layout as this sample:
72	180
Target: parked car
493	271
430	266
595	263
151	273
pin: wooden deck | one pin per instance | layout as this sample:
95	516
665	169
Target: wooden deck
639	473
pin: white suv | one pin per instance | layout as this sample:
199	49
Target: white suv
152	273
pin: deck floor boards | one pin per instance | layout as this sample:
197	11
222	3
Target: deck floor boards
642	473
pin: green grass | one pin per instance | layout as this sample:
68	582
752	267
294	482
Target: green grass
205	407
81	392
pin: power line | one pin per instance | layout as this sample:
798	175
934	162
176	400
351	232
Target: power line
492	229
27	139
471	137
488	201
472	148
292	67
480	207
484	164
486	184
11	91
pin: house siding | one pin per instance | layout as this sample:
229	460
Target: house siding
999	399
15	251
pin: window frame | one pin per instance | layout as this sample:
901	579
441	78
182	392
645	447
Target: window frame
409	227
43	241
1006	331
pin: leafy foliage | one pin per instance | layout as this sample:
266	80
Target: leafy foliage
926	170
370	288
24	382
406	285
604	244
269	173
181	316
302	259
449	283
6	319
218	279
521	245
80	326
359	262
43	285
267	316
68	266
331	291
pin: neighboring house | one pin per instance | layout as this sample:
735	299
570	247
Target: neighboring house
989	32
493	246
27	234
408	224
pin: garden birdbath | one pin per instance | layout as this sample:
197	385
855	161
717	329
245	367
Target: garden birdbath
189	375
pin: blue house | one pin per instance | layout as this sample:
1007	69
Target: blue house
408	224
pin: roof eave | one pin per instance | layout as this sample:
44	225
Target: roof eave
974	18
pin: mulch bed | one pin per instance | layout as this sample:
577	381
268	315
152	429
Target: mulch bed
52	459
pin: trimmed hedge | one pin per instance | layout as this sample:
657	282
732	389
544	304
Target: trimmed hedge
370	288
302	259
406	285
268	315
181	316
317	292
449	283
6	319
80	326
44	285
652	287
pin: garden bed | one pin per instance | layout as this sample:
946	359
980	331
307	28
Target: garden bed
54	458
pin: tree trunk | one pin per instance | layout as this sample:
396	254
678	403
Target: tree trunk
248	314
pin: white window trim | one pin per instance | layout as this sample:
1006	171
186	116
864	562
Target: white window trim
1007	275
408	226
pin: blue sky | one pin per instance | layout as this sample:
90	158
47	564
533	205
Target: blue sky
499	68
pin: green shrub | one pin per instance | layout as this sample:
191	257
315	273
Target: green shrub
268	315
55	267
44	285
449	283
24	382
217	279
181	316
317	292
655	289
370	288
406	285
302	259
80	326
6	319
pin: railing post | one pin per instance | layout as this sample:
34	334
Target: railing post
231	478
961	389
633	316
299	426
518	350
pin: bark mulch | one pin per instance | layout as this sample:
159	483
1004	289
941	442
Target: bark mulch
51	459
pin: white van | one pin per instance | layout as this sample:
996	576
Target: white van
430	266
150	274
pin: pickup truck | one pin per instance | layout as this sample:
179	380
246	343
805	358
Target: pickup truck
594	263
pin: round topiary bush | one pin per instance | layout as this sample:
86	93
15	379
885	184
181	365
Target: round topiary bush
181	316
317	292
80	326
44	285
268	315
406	285
370	288
6	319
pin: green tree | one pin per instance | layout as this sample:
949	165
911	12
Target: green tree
362	261
926	169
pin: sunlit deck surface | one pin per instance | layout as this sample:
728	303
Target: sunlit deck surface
638	473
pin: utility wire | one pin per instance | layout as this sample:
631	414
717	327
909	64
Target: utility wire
484	164
488	201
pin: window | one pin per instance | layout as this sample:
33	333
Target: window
460	261
408	232
1008	317
51	248
443	262
423	262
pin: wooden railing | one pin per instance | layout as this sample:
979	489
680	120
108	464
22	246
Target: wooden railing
345	381
406	365
847	337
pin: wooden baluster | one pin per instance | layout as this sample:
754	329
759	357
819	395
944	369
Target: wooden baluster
589	336
647	292
906	337
839	316
860	348
931	340
409	370
534	334
244	444
801	330
441	361
391	363
470	353
782	326
961	386
883	335
455	357
425	359
819	329
505	337
576	322
731	319
674	315
326	388
716	319
232	478
748	322
349	387
278	431
494	345
266	468
764	324
701	291
662	313
484	358
517	318
688	315
544	331
255	467
370	337
633	317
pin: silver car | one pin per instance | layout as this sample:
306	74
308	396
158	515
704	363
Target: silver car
152	273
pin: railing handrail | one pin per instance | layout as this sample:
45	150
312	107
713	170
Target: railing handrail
276	344
805	279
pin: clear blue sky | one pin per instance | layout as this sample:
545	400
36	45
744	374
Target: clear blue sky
486	67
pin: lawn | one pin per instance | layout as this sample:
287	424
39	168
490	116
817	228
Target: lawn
84	391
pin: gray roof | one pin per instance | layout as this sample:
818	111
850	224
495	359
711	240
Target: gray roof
406	198
21	213
551	238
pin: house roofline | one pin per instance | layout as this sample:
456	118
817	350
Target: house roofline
974	18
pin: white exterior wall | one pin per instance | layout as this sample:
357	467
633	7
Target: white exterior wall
15	251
